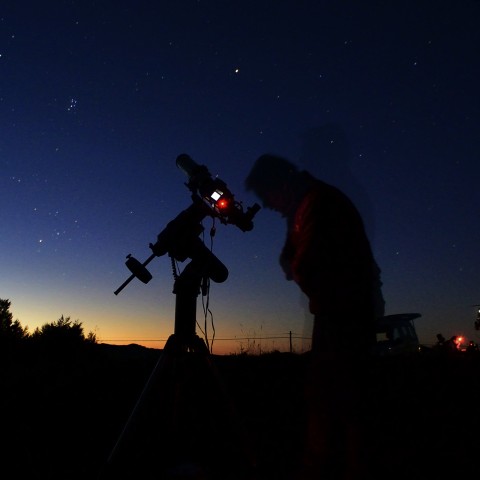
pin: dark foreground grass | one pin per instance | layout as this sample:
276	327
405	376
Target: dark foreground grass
61	414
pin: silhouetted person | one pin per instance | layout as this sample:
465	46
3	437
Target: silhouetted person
326	149
327	253
452	345
440	340
472	347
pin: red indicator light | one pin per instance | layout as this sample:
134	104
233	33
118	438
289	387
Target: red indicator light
222	203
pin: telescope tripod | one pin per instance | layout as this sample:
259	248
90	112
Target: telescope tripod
184	425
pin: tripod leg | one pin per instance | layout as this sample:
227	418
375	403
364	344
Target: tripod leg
127	450
184	421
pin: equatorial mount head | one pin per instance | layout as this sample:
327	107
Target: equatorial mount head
179	239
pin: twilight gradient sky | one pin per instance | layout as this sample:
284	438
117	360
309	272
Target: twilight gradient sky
97	99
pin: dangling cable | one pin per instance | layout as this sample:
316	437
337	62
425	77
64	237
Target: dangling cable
206	299
205	294
207	310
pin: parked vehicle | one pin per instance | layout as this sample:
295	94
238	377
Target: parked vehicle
396	334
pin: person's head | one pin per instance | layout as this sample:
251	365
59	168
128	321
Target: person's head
271	180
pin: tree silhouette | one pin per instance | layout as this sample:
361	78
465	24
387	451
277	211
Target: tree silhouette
61	336
11	331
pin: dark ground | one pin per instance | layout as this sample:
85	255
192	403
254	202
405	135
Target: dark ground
62	412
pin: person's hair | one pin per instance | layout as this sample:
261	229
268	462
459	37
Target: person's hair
269	172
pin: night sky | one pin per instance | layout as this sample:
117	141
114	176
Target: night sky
98	98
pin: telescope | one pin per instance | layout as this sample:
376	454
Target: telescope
179	239
176	378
